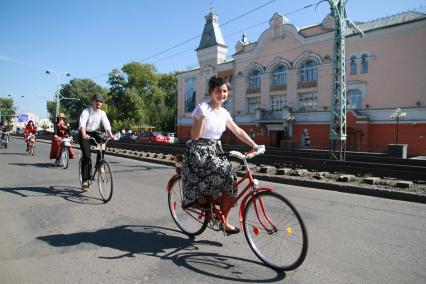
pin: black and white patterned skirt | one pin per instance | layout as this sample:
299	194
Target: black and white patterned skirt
206	171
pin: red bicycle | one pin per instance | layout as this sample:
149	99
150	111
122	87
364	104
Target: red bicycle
273	228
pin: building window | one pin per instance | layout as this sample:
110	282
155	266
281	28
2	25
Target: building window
364	63
279	75
308	101
190	86
253	104
353	65
308	71
254	79
278	102
228	104
354	99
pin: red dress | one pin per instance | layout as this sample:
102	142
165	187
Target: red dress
55	150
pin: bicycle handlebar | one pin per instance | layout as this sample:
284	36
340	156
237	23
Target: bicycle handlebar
247	155
96	142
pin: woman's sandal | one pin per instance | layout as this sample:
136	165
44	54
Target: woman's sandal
230	231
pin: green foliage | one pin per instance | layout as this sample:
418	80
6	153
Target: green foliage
137	96
7	110
140	96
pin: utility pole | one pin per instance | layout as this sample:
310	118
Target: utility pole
338	103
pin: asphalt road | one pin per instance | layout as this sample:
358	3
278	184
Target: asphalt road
51	233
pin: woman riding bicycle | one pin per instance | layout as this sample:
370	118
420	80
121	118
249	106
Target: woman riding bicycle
61	131
205	169
90	121
29	132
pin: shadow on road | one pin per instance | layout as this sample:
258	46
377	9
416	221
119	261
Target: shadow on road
139	168
72	194
14	153
37	165
169	244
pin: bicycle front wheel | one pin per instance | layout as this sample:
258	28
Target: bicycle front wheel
80	166
191	221
65	158
105	180
275	231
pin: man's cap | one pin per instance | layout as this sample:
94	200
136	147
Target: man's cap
98	97
61	114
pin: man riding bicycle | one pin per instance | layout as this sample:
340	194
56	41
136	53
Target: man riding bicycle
90	121
29	133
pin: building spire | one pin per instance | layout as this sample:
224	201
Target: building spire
211	7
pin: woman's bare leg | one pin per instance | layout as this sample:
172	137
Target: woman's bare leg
225	207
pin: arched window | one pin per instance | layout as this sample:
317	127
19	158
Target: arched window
353	65
364	63
308	71
254	79
279	75
354	99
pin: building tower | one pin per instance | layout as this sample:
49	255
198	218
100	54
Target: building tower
212	49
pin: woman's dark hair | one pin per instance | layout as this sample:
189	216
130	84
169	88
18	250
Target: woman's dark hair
215	82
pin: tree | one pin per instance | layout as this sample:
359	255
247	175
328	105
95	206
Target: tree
140	96
7	110
81	89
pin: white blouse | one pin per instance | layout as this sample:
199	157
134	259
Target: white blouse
215	121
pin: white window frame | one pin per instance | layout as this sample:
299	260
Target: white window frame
307	101
279	78
254	80
278	102
308	71
357	102
251	107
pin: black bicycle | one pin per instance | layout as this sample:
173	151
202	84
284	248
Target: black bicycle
102	174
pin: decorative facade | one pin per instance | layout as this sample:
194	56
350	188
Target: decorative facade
282	83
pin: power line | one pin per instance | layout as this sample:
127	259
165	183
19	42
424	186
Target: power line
236	32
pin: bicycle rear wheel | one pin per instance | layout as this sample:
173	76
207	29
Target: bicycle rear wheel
275	231
65	158
105	180
191	221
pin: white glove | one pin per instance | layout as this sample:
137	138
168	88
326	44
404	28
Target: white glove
260	148
204	110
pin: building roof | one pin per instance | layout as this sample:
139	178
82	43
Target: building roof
212	35
401	18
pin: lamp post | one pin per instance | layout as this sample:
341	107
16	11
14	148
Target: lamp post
398	115
289	117
57	95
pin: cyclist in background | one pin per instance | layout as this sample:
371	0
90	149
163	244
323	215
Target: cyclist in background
30	128
90	121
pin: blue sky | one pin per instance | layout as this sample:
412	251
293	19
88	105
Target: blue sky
88	38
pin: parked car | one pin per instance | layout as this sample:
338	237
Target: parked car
128	137
153	137
172	137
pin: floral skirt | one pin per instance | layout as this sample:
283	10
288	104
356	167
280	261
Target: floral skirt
206	171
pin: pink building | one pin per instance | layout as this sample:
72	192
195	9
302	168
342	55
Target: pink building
282	83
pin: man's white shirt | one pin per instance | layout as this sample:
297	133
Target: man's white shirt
91	120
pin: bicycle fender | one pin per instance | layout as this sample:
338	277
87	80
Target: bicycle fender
171	181
244	202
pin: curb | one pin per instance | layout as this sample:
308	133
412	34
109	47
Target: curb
345	188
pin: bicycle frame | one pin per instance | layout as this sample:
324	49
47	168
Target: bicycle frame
249	191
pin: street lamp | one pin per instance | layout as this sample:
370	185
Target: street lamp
398	115
57	95
289	117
